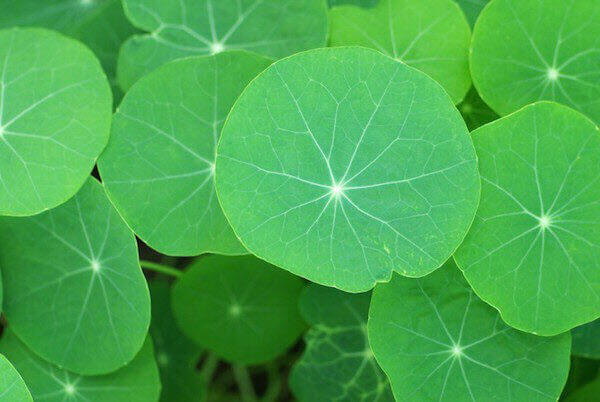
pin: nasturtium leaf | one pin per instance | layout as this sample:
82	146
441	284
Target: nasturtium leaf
55	111
342	165
475	112
587	393
360	3
74	290
241	308
430	35
100	24
586	340
436	340
524	51
533	251
12	386
179	28
472	8
136	382
176	355
158	167
338	363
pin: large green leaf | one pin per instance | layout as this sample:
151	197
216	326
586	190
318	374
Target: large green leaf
342	165
100	24
475	112
158	167
136	382
74	290
533	251
436	340
586	340
431	35
472	8
12	386
55	109
176	355
338	363
524	51
241	308
179	28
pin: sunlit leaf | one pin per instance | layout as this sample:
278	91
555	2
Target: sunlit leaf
12	386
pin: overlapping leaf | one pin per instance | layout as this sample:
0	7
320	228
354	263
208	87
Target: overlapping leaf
275	28
49	137
436	340
158	167
74	290
533	251
342	165
12	386
338	363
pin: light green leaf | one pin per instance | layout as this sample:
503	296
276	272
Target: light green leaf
475	112
49	137
12	386
74	290
100	24
342	165
472	8
338	363
524	51
136	382
359	3
176	355
241	308
436	340
179	28
533	251
430	35
586	340
158	167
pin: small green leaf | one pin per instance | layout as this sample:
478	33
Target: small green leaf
342	165
338	363
275	28
136	382
533	251
436	340
74	290
100	24
12	386
55	110
241	308
432	36
524	51
176	355
472	8
586	340
158	167
475	112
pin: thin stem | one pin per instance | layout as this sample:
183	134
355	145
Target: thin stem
209	366
163	269
244	383
274	387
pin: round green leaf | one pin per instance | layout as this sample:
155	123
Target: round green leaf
524	51
158	167
533	251
342	165
136	382
275	28
12	386
176	355
436	340
74	290
586	340
55	110
472	8
100	24
430	35
241	308
338	363
475	112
